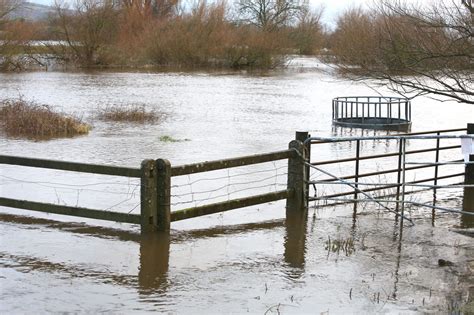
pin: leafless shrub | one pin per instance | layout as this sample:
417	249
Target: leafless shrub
417	49
270	15
86	32
307	35
135	114
19	118
134	33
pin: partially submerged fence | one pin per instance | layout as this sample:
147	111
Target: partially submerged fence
72	167
156	176
355	174
155	187
392	180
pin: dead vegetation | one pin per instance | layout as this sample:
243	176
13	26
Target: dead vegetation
412	49
164	33
135	114
23	119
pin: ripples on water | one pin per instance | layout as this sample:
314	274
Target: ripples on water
247	260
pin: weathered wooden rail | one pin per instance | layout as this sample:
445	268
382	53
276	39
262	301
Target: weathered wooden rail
73	167
155	180
155	187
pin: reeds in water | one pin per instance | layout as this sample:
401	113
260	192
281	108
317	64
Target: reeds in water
25	119
136	114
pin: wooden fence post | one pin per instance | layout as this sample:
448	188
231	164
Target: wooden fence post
468	200
164	195
302	136
149	196
296	178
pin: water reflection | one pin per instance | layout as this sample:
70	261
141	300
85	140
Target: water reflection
154	262
397	236
72	227
467	220
295	241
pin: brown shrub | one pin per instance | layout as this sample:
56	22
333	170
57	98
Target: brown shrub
19	118
306	37
136	114
88	32
355	40
206	37
16	51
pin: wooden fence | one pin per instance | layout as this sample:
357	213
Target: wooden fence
155	181
155	192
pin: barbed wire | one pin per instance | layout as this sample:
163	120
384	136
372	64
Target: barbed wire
56	185
224	195
64	184
227	176
230	185
131	196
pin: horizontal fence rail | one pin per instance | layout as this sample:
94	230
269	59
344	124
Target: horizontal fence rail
379	156
155	178
229	163
234	203
411	135
355	174
72	211
230	205
155	186
349	193
71	166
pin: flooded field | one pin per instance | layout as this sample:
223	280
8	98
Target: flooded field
248	260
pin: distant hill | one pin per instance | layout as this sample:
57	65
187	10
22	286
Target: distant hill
32	12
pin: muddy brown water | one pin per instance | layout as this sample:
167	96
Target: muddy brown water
249	260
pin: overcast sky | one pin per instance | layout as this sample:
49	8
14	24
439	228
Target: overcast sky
333	7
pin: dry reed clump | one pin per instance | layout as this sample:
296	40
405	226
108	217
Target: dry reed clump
136	114
20	118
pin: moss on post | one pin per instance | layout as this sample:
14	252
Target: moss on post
149	196
164	195
296	178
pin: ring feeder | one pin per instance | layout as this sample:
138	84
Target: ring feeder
372	112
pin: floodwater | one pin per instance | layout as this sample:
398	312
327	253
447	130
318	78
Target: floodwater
251	260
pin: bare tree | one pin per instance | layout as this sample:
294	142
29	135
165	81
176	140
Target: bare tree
418	50
6	7
307	34
14	38
269	14
155	8
86	30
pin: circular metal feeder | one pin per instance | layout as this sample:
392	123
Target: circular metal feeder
372	112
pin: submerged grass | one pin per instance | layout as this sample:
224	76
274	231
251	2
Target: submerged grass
136	114
24	119
171	139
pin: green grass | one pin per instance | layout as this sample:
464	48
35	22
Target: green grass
170	139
